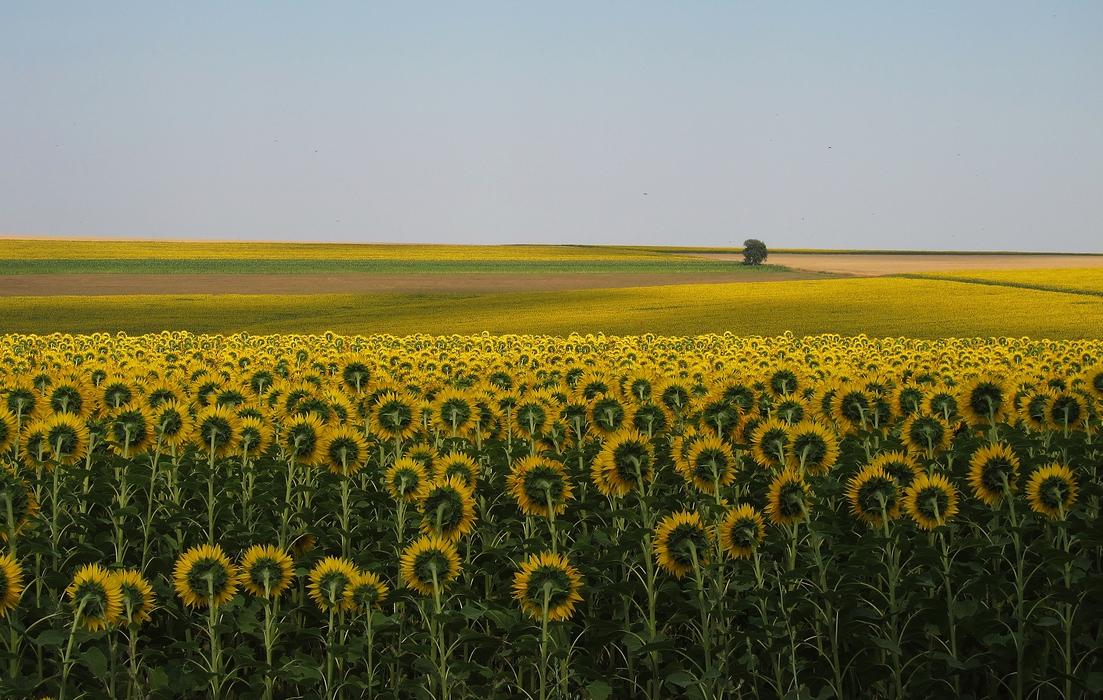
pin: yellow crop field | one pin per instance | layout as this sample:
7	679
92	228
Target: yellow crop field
922	308
1080	279
59	249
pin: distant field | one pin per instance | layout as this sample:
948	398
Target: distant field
391	266
882	307
56	249
1081	280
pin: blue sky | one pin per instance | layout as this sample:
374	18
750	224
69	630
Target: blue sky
909	125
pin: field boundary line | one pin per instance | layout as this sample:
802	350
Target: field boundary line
997	283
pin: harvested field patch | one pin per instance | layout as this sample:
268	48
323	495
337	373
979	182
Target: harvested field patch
877	264
476	283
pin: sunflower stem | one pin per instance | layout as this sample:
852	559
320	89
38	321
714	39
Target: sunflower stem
66	662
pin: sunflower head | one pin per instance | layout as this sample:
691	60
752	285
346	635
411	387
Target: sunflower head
742	531
787	498
394	416
770	443
265	571
204	575
901	466
137	597
874	495
925	432
457	464
217	428
407	479
368	591
984	400
623	464
66	437
331	584
429	564
130	429
11	583
1066	411
993	471
682	542
448	509
343	450
930	500
547	582
812	447
537	483
302	437
172	423
96	597
256	435
709	465
1051	490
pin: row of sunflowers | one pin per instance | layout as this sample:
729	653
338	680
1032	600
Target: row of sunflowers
528	516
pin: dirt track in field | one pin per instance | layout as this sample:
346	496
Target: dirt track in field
874	265
470	283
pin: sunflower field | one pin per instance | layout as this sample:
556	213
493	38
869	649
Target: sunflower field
326	516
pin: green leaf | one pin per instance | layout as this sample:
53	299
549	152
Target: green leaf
51	638
95	660
599	690
158	679
680	679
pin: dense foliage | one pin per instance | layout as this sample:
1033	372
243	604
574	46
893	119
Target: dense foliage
531	516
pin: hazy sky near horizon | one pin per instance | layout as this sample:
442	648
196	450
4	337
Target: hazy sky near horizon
909	125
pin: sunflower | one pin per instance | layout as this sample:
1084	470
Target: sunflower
97	597
331	582
984	400
454	412
531	414
674	396
901	466
535	481
1032	409
944	403
204	574
608	415
993	471
649	418
256	436
217	427
547	581
66	437
302	437
344	450
423	453
852	406
624	460
784	381
908	399
172	422
770	443
71	395
9	428
1093	380
24	506
457	464
742	531
131	430
265	571
24	402
394	416
1066	411
137	597
11	583
681	542
931	500
448	509
709	465
874	495
429	563
33	448
787	498
162	392
716	414
407	479
1051	490
116	391
367	591
812	447
926	432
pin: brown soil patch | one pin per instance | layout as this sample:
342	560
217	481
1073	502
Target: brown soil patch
873	265
474	283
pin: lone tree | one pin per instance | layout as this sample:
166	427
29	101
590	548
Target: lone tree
754	252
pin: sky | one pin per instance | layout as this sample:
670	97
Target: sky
933	125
